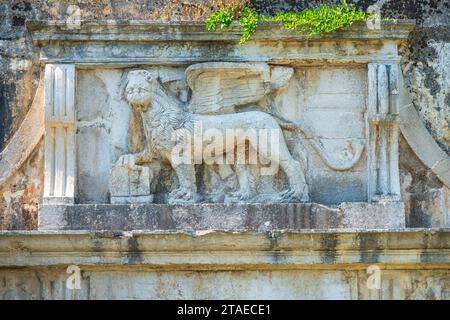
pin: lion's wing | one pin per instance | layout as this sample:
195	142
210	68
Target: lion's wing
219	87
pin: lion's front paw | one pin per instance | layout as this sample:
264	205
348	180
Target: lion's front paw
241	195
294	195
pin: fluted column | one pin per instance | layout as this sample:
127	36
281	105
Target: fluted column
383	109
60	157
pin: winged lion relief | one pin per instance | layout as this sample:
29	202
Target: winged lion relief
226	132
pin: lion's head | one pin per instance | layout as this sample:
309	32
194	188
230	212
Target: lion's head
140	85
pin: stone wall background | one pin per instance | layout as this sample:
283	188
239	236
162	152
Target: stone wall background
425	64
398	284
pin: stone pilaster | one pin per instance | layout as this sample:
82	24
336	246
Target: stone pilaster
60	164
383	109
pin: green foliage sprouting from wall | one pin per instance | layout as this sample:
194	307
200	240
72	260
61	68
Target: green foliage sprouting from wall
313	22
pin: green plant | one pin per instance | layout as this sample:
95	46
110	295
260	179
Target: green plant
314	21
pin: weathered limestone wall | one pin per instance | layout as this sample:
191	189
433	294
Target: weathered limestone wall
413	264
425	67
110	284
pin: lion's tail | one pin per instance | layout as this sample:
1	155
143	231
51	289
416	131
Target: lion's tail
330	161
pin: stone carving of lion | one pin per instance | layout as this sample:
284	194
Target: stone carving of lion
163	115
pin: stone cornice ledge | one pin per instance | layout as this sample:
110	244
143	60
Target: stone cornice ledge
44	32
220	250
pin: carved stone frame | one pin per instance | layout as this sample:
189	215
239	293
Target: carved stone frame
64	50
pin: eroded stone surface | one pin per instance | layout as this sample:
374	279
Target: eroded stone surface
426	197
22	195
284	265
251	217
282	284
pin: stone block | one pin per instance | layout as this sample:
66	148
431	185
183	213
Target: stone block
220	216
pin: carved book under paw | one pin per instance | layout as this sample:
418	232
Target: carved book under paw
130	183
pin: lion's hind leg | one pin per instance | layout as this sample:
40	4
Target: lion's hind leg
187	190
298	189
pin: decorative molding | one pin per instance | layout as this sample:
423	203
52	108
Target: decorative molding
126	43
25	139
219	250
45	32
